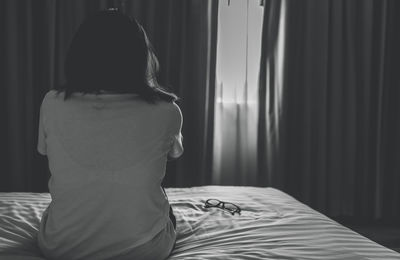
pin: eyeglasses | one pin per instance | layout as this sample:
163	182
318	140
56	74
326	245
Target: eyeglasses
230	207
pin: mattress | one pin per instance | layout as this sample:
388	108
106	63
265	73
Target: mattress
271	225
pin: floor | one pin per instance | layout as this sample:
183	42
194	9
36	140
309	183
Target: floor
386	235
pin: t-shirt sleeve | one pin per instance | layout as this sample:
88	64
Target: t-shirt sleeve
41	144
176	149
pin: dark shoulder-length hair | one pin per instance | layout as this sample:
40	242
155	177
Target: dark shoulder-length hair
111	52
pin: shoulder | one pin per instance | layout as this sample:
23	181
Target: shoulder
177	112
171	109
170	114
53	95
51	101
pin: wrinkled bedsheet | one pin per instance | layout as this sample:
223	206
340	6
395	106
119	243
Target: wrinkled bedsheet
272	225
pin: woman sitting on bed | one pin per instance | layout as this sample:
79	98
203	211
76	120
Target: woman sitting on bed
108	134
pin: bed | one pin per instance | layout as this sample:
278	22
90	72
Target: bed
272	225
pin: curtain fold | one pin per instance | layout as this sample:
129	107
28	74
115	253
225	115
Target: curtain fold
36	36
269	82
337	114
388	181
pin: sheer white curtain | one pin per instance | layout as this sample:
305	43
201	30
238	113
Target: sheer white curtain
236	102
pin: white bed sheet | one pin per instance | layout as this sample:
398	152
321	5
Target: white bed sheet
272	225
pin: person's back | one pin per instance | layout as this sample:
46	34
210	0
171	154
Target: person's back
107	155
107	147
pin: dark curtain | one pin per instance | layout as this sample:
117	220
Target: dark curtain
35	36
334	128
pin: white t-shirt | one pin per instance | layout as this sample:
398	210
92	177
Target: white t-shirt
107	156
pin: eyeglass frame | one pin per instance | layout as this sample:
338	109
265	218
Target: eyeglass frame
221	205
